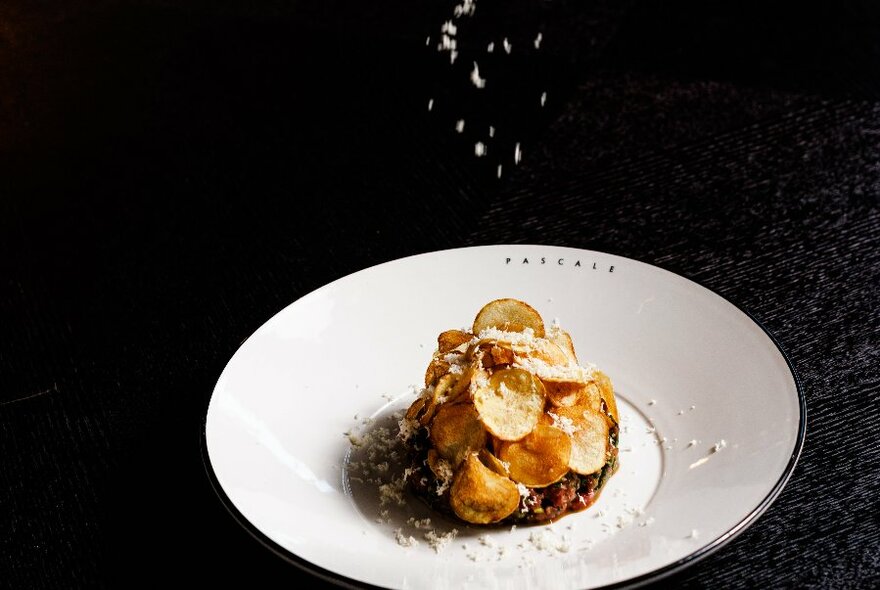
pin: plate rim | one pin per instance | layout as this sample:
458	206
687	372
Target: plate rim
636	581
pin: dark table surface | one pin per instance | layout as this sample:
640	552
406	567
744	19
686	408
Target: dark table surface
174	173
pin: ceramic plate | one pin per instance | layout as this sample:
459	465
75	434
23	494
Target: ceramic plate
712	422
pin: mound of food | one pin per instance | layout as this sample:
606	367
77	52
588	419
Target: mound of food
510	428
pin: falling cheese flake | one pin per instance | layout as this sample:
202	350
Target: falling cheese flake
449	28
475	77
491	131
498	172
459	125
430	103
479	149
447	43
427	40
507	45
490	48
538	40
517	154
543	98
466	8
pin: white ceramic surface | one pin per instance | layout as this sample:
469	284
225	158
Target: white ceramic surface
686	364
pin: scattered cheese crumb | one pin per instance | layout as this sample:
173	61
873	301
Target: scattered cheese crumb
695	534
719	445
680	412
392	492
652	402
540	541
407	428
486	541
693	408
439	542
692	443
404	540
444	477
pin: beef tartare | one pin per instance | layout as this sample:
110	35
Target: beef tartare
509	427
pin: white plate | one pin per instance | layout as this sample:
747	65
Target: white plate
687	366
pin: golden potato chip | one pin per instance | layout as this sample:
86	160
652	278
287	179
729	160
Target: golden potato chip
436	369
539	459
459	392
415	409
481	496
492	462
562	339
562	393
510	404
451	340
548	352
509	314
607	392
439	395
567	393
589	439
457	431
495	354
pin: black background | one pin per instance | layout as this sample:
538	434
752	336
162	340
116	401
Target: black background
174	173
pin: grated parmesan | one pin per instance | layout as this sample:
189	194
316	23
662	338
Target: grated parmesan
404	540
475	77
563	423
439	542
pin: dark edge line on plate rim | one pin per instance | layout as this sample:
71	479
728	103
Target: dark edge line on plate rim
640	580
